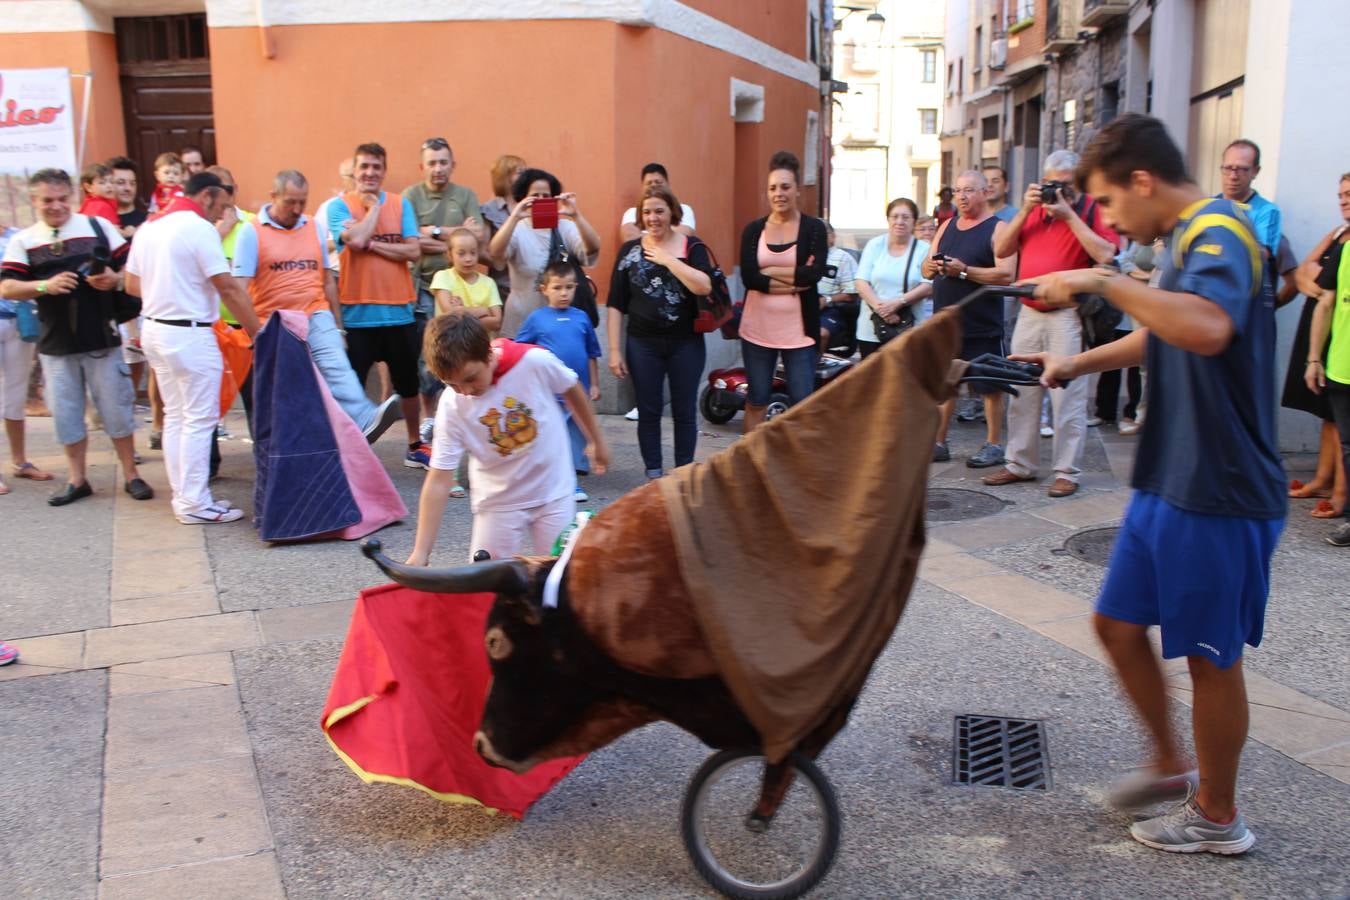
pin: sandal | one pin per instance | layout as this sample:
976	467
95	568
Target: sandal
458	493
31	472
1325	510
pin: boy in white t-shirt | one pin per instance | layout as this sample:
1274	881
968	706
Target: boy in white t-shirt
502	410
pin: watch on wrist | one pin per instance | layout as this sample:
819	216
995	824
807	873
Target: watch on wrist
962	275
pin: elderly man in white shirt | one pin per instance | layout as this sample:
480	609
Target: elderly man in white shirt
179	270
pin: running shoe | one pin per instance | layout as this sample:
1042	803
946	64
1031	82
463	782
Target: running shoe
941	453
215	514
580	496
386	414
418	457
989	455
8	654
1186	830
1144	786
425	430
1340	537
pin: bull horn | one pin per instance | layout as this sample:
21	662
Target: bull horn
505	576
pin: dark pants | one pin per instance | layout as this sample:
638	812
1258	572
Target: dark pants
1339	397
799	369
652	362
1108	390
867	348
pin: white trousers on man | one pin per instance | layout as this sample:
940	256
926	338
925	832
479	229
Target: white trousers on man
188	367
1059	332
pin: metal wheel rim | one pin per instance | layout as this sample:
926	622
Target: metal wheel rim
775	408
700	832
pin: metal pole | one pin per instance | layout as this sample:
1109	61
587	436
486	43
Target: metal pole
84	118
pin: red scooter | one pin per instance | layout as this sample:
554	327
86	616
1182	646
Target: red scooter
724	394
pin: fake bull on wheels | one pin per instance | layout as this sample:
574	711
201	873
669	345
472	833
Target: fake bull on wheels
737	599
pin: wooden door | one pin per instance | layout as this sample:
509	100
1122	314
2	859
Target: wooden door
165	69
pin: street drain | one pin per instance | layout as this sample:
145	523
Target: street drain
1094	545
958	504
999	752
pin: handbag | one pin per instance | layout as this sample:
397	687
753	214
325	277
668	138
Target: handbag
25	312
715	309
885	330
1098	317
585	296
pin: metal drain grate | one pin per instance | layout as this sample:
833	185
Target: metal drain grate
1000	752
958	504
1093	546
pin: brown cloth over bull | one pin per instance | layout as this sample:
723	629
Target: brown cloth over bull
794	551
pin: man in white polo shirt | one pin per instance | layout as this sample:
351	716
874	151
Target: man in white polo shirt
179	270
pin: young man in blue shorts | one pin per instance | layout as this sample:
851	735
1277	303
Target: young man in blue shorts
1194	551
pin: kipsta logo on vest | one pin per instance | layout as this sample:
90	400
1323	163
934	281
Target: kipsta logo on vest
11	114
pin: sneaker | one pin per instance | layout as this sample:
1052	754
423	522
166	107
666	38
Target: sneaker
1143	786
1047	431
968	409
653	474
425	429
215	514
1128	426
8	654
136	457
1186	830
222	432
631	415
580	496
156	440
1094	421
418	457
941	453
989	455
1340	537
386	414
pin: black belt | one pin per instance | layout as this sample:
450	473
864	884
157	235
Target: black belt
181	323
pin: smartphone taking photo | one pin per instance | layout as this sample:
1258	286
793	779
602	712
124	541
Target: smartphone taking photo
544	212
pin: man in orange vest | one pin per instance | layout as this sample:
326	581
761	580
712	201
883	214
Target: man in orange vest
376	236
281	260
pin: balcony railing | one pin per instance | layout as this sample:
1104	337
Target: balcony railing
1061	25
1097	13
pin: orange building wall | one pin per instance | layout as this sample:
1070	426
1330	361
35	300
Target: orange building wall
79	51
778	23
641	95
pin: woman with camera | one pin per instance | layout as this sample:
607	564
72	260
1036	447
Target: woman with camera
1325	275
783	257
890	279
524	251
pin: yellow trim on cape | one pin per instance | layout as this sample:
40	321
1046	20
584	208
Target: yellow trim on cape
343	712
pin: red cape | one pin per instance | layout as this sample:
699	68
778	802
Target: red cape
409	693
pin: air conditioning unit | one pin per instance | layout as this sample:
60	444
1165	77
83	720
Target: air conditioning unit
998	53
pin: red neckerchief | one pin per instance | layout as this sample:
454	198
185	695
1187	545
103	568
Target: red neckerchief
511	352
180	204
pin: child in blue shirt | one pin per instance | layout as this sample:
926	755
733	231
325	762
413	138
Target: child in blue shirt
567	333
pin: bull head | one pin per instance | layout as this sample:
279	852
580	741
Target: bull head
537	656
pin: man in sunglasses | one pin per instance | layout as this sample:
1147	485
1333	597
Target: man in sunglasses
441	206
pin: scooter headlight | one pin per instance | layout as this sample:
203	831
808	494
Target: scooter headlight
720	384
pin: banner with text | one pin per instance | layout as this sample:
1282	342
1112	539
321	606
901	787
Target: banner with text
37	131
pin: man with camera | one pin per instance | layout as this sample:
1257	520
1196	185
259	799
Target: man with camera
1055	230
69	264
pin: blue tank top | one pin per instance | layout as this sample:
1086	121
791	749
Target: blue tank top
974	246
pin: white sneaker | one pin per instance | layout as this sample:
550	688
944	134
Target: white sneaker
1093	421
580	496
212	515
631	415
1128	426
425	429
1047	431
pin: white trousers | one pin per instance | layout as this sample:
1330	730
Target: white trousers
188	367
16	363
502	532
1059	332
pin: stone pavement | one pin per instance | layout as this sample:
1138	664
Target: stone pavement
160	736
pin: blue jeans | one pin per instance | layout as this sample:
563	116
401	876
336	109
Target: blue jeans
330	357
800	366
651	362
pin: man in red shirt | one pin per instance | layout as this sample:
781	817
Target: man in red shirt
1055	230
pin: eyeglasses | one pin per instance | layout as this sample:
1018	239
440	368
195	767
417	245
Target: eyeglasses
435	144
1235	170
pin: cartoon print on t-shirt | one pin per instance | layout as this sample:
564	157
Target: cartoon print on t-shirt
513	432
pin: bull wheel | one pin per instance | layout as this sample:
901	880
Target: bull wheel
742	855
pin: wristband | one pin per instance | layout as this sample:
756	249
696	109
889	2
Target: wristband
42	287
1314	362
